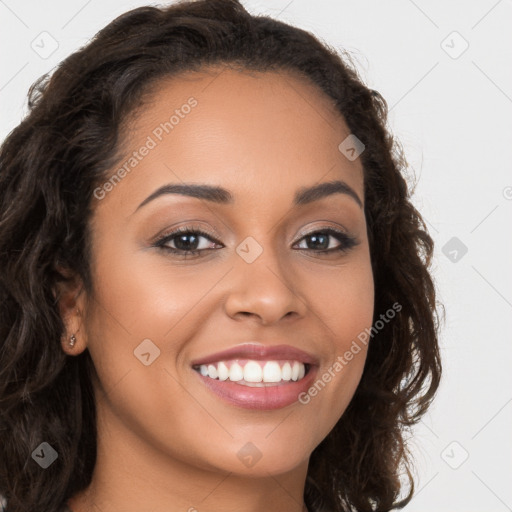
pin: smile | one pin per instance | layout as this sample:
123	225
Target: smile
254	373
256	376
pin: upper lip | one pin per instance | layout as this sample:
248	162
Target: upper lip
259	353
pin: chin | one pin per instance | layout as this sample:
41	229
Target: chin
261	457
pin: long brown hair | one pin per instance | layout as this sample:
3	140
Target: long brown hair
49	167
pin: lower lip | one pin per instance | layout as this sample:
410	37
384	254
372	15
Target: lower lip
262	398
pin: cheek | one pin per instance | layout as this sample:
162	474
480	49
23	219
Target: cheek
145	296
345	301
347	312
139	299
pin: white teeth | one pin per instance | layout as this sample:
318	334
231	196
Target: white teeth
236	372
253	371
222	371
295	371
271	372
212	371
286	372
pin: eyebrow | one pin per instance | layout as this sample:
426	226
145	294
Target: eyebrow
219	195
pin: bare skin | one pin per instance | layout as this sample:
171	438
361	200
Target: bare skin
166	443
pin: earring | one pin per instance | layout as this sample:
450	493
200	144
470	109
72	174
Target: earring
72	339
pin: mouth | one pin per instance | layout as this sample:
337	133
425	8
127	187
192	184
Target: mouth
255	373
258	377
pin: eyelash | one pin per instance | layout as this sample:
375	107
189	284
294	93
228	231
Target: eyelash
346	242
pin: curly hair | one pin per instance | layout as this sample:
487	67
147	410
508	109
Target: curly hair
49	166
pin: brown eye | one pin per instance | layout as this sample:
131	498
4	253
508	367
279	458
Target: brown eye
186	241
320	241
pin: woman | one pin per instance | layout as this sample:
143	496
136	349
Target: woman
215	291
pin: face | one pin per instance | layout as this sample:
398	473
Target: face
258	284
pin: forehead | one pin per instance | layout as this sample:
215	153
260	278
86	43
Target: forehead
269	106
245	130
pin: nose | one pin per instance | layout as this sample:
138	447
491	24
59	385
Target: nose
264	290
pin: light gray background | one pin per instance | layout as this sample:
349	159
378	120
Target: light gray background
452	112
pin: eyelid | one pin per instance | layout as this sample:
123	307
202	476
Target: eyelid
215	237
174	231
340	230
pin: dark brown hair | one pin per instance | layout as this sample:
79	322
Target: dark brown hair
49	167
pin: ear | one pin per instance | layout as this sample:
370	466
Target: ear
70	295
